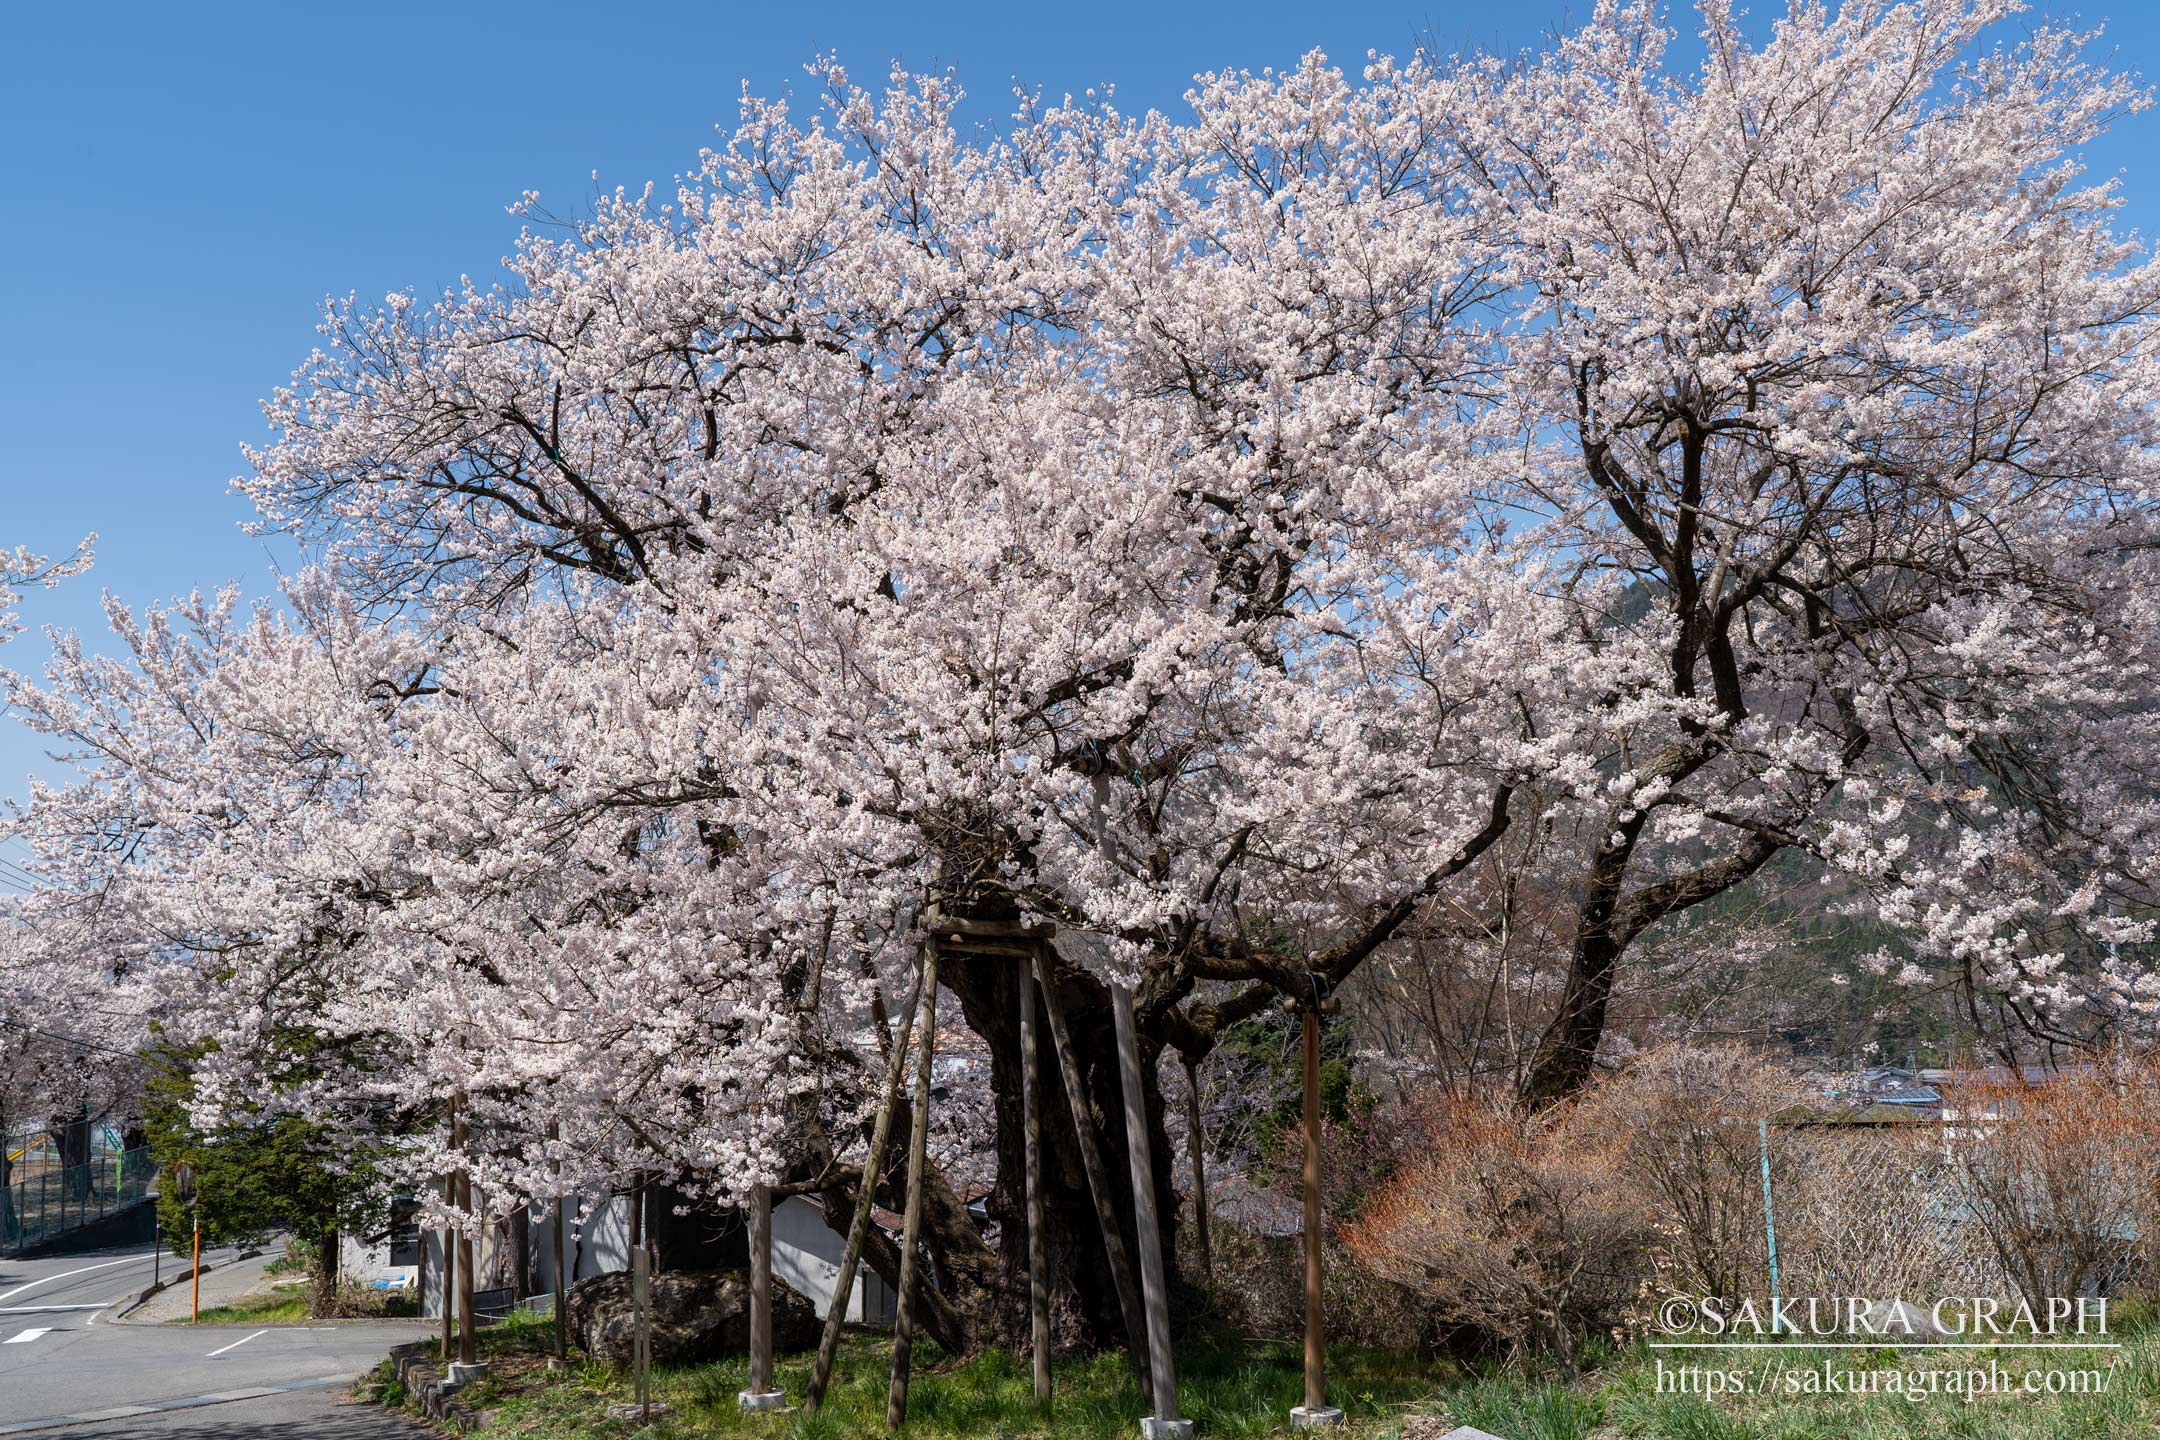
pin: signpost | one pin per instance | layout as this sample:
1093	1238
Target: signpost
184	1187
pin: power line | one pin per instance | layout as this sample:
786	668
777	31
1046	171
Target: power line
65	1039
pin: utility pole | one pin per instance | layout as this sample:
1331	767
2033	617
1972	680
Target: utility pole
468	1335
449	1244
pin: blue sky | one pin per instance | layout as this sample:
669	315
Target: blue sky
183	184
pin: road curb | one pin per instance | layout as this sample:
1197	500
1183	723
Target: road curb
161	1286
431	1388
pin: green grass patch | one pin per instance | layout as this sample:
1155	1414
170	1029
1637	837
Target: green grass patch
1242	1390
279	1307
1230	1389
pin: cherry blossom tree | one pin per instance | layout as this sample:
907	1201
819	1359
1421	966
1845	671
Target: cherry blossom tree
1369	509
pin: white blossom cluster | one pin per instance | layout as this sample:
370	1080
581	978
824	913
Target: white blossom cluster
1211	533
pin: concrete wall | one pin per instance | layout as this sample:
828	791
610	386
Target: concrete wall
806	1255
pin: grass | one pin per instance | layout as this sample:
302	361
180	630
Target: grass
1233	1391
1236	1390
278	1307
1786	1400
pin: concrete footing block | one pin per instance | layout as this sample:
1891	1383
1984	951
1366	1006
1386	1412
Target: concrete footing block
757	1401
1469	1432
632	1413
1315	1417
1153	1429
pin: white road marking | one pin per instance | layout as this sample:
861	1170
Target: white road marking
27	1336
191	1402
47	1280
45	1309
235	1344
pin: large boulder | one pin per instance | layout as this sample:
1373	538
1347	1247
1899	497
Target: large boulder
697	1315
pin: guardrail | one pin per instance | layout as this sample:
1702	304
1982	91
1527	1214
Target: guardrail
44	1200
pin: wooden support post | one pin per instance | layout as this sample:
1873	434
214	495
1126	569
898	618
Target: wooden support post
865	1199
641	1329
760	1288
562	1318
1038	1250
468	1334
640	1302
1315	1412
1196	1137
1098	1174
911	1216
1162	1371
761	1395
449	1239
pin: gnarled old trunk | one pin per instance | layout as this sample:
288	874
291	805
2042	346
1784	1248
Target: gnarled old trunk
980	1293
1084	1293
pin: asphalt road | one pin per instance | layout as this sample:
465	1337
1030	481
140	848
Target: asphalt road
68	1367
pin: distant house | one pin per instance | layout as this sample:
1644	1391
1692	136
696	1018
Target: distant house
1903	1090
386	1260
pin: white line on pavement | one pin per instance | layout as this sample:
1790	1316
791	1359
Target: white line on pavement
27	1336
45	1309
191	1402
48	1279
235	1344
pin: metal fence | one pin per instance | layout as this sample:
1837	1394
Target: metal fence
1929	1209
44	1198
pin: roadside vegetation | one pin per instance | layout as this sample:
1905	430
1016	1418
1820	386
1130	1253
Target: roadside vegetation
1240	1390
292	1291
1227	1388
282	1306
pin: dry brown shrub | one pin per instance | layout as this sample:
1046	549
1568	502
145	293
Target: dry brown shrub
2062	1176
1688	1122
1520	1224
1256	1284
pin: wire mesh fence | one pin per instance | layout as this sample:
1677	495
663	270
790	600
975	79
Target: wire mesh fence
1880	1212
45	1197
1930	1210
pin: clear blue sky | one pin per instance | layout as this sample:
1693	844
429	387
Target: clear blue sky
181	186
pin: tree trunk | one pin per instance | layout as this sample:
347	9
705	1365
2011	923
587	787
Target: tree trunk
327	1246
987	988
1568	1050
7	1183
71	1137
520	1245
981	1295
